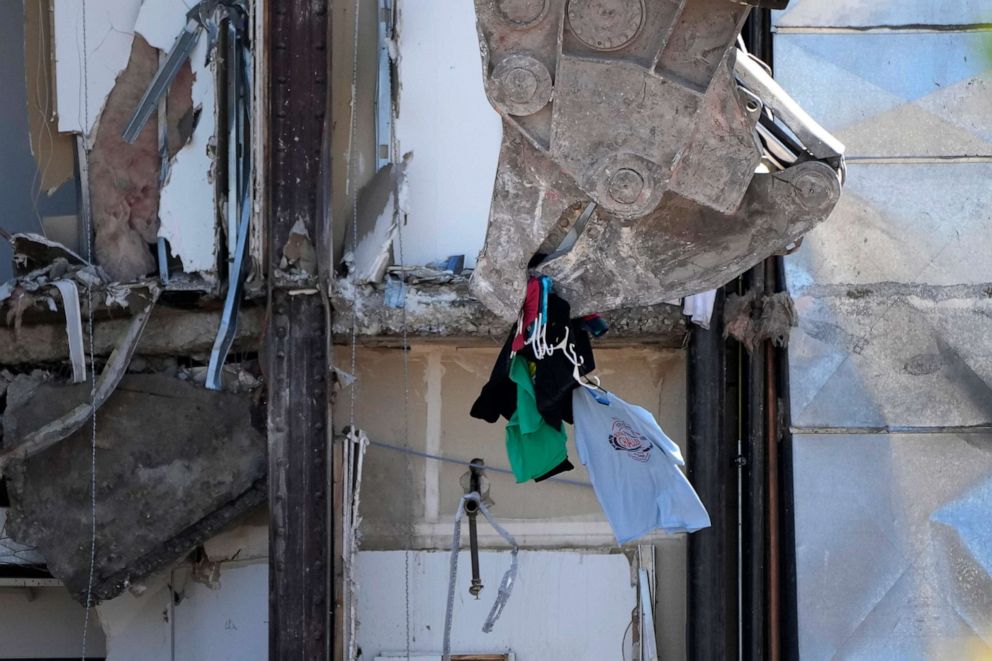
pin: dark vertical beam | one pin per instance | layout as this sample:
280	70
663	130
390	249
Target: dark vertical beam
753	491
300	542
777	517
773	554
757	34
712	593
788	593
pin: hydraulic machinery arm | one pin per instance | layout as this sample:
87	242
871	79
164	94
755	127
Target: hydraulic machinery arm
644	155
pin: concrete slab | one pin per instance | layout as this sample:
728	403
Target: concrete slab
860	14
903	223
175	465
892	564
885	95
890	355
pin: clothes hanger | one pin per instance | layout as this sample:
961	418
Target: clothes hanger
541	349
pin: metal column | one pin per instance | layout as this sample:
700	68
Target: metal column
712	581
299	420
771	629
754	457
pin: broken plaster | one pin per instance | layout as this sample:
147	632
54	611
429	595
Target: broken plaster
109	31
187	207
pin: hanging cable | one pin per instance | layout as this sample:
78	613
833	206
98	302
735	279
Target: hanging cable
352	190
350	514
88	237
406	416
464	462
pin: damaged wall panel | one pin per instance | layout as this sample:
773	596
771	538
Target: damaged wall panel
456	143
187	209
126	197
54	151
23	207
124	179
176	464
109	31
363	164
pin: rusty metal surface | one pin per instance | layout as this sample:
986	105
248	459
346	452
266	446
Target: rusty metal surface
634	106
301	592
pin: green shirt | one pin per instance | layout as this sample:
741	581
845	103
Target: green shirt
533	446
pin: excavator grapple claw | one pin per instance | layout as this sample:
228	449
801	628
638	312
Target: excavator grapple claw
636	128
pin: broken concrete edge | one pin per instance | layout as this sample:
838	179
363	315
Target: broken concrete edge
171	331
176	548
447	313
436	312
56	430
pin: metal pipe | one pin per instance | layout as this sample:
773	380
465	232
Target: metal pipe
754	493
771	429
472	509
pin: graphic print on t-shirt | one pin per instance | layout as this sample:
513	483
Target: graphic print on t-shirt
625	439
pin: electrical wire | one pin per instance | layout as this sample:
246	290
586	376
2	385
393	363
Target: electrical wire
406	417
465	462
351	188
88	237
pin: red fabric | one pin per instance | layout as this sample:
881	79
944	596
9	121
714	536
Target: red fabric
532	301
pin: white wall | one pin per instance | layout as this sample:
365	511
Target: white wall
448	124
174	618
229	623
40	623
564	606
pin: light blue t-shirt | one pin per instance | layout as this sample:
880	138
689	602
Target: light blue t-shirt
634	468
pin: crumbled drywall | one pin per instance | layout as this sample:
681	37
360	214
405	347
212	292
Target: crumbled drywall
108	31
752	320
379	203
127	203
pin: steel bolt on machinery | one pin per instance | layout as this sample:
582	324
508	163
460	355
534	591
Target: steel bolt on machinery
644	153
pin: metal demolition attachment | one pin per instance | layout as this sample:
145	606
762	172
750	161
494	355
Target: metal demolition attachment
690	162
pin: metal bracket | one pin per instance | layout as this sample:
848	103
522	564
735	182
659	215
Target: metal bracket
202	16
384	89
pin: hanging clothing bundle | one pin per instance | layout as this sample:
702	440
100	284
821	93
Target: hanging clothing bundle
531	386
539	382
